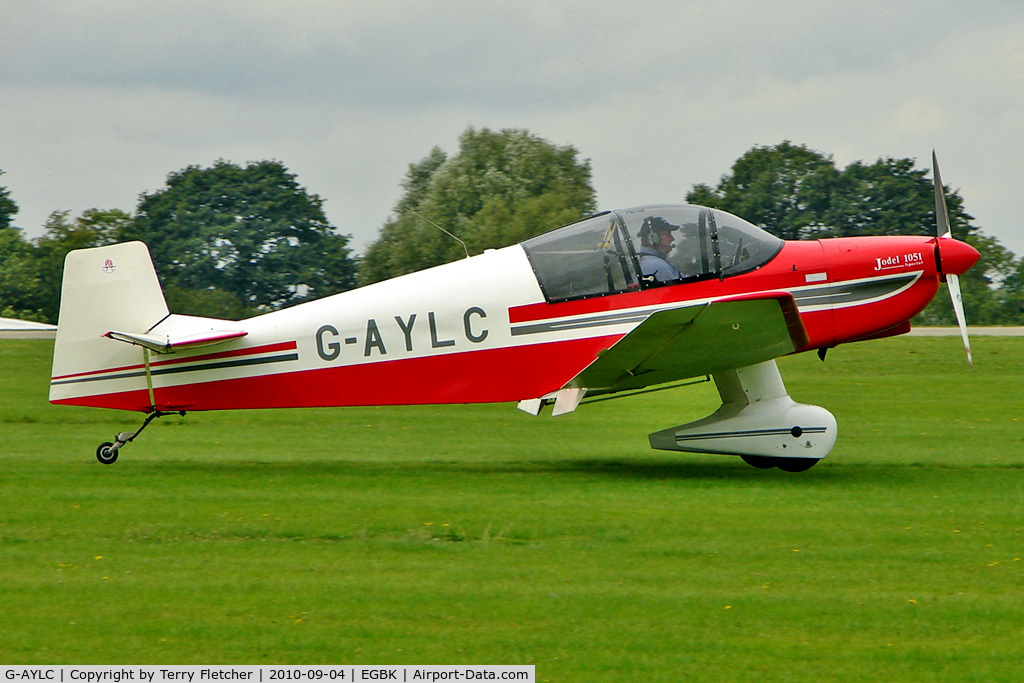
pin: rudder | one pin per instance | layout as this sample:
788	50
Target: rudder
103	289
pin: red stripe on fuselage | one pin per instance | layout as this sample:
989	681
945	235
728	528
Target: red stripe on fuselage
267	348
487	376
823	263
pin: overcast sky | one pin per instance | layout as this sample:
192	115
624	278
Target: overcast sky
100	100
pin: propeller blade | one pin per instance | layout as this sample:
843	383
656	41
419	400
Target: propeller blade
953	282
952	279
941	215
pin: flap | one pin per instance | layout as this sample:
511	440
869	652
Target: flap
163	343
697	340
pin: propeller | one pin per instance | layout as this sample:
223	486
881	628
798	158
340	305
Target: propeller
953	260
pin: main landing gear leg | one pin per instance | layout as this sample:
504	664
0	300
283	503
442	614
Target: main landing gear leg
106	452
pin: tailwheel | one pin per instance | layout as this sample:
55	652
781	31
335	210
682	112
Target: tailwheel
106	453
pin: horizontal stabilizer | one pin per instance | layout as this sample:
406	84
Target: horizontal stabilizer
168	344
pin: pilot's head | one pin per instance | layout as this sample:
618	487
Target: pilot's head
656	233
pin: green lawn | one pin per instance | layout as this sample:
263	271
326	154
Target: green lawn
482	535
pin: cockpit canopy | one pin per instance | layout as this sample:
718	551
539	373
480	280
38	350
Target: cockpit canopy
647	246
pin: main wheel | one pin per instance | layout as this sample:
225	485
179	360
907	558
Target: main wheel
106	453
795	464
761	462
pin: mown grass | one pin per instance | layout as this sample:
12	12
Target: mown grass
478	534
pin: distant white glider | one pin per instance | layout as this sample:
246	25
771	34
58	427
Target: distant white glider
15	325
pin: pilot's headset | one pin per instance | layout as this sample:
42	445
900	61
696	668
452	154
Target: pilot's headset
651	229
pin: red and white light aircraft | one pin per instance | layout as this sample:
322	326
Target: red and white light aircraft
617	302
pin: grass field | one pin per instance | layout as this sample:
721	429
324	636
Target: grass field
481	535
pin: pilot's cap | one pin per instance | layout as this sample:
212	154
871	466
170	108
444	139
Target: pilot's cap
652	227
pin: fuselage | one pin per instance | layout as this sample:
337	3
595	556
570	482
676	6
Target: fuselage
492	328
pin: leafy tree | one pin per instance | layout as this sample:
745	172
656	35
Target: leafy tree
22	294
8	208
785	189
251	232
210	303
500	188
417	180
94	228
890	197
1013	292
795	192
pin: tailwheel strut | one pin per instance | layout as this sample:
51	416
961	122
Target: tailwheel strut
106	452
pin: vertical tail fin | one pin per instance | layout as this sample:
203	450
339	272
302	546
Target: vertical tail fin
104	289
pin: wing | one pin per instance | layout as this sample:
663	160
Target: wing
697	340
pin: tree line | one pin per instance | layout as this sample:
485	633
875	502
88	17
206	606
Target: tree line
231	241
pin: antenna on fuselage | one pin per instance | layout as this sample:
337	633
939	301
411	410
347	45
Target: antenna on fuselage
424	218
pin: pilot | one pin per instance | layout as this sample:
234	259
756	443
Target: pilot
655	244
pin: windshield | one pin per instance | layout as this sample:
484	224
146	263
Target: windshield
647	246
588	258
743	246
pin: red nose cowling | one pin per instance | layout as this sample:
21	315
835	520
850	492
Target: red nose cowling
956	257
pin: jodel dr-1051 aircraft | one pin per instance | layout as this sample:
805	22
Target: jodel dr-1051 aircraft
617	302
